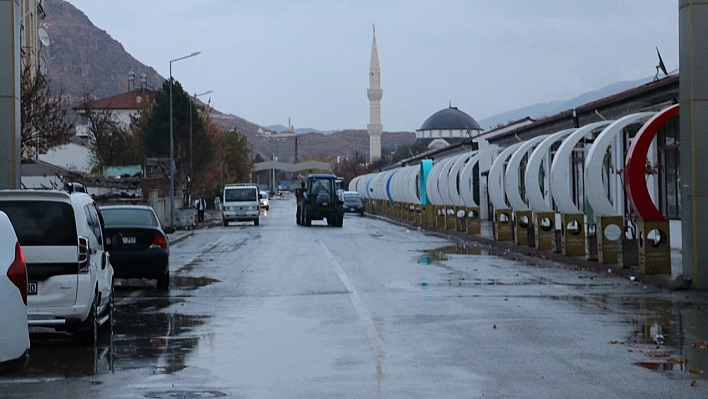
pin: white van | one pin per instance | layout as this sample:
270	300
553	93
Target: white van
241	203
70	277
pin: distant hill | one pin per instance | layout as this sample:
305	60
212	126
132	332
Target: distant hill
301	130
537	111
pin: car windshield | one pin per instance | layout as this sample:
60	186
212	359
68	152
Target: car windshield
41	222
135	217
240	194
352	199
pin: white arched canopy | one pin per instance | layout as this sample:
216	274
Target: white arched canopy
467	177
513	173
540	199
560	168
594	164
454	180
432	183
496	177
444	180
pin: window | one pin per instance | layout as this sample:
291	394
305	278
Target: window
42	222
240	194
94	222
669	169
129	217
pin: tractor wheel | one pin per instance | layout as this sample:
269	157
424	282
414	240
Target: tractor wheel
307	216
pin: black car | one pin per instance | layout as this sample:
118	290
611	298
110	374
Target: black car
353	203
145	252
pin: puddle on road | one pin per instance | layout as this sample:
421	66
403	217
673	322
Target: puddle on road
671	334
439	254
191	283
144	336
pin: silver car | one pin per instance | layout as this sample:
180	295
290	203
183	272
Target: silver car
14	336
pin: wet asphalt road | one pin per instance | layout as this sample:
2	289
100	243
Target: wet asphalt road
373	310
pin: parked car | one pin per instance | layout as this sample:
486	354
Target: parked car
70	277
14	335
146	251
352	202
265	202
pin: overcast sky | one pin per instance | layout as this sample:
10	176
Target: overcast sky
308	60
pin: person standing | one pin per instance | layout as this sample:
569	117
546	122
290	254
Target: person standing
200	204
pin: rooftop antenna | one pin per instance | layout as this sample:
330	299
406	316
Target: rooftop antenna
661	66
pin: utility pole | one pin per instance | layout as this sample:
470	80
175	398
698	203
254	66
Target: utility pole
10	132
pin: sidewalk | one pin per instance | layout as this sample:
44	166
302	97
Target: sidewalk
214	219
509	248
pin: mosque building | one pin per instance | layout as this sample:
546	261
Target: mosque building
445	127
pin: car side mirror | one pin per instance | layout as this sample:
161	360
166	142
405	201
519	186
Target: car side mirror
169	229
114	242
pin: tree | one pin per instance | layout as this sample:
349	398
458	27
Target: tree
113	144
154	129
351	167
236	164
43	116
224	161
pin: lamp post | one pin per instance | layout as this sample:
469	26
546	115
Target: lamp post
191	170
172	145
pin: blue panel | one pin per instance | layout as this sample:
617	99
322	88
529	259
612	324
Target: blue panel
388	185
368	182
425	167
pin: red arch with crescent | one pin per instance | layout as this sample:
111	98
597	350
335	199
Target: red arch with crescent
635	166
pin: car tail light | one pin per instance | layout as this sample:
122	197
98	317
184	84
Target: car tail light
84	255
18	272
159	241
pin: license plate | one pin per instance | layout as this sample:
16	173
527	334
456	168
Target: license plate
128	240
31	288
352	209
325	203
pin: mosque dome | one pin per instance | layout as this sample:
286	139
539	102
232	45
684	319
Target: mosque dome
450	119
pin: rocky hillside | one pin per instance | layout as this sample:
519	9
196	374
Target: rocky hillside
85	59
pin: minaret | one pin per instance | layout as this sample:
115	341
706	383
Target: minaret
374	128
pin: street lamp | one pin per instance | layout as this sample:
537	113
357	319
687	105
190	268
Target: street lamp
172	145
191	170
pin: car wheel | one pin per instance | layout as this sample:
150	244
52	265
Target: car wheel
88	332
163	282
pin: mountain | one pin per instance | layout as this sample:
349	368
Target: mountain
537	111
83	59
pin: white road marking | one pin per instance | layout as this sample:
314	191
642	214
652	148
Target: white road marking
374	334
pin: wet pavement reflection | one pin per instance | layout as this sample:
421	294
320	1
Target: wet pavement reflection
145	335
670	328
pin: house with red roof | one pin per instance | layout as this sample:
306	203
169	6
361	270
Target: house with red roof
122	107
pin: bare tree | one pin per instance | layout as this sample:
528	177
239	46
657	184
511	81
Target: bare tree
113	144
43	116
